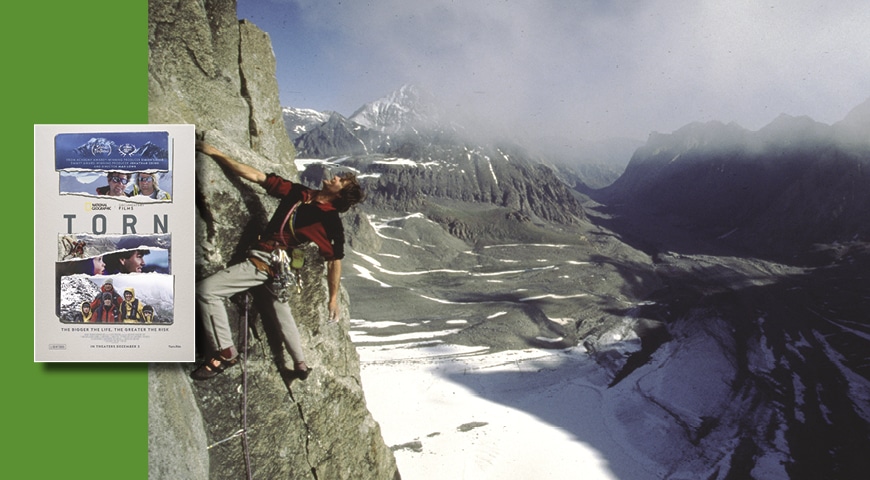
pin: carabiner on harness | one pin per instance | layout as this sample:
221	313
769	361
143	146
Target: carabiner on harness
282	275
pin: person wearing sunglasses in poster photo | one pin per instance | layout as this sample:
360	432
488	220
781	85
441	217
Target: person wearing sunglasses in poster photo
147	184
117	183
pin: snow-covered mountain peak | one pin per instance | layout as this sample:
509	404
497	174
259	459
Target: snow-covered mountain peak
301	120
409	107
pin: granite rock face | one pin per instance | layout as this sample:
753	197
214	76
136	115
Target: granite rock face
210	69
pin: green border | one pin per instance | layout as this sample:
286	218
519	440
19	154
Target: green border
66	62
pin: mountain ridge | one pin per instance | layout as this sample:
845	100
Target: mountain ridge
778	190
427	152
410	108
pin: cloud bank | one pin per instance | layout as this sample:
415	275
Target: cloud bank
584	69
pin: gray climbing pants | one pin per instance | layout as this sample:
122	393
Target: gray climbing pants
212	291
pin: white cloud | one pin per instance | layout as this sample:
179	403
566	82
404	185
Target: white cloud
585	68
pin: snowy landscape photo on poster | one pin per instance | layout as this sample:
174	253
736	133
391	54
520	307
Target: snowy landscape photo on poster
137	163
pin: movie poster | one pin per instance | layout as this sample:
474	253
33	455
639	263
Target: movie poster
113	243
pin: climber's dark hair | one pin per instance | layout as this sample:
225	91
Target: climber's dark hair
350	195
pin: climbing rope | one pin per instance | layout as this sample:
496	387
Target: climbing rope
237	433
243	432
245	391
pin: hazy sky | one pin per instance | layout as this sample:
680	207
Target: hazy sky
581	68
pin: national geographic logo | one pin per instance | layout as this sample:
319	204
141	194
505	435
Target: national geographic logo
95	207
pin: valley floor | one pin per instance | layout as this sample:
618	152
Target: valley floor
761	373
458	412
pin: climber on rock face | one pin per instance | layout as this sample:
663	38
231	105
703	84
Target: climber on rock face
303	215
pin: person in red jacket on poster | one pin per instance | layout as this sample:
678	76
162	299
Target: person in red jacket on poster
107	310
107	287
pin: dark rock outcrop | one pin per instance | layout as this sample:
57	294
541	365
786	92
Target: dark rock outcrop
209	69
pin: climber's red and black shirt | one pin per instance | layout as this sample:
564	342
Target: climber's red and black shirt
312	222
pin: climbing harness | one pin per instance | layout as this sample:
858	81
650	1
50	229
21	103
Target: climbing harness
283	275
286	268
